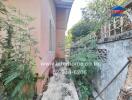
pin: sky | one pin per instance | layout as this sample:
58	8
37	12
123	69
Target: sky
76	14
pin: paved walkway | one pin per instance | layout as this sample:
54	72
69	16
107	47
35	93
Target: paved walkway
60	88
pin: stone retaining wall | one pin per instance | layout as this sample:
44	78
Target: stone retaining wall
117	54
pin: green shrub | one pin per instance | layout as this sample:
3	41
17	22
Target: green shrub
86	57
17	62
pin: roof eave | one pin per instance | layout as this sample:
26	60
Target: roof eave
64	3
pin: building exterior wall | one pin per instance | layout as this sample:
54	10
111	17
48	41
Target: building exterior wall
44	12
50	25
61	25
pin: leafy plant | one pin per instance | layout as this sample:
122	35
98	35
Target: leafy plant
68	40
99	12
84	49
17	61
83	58
81	29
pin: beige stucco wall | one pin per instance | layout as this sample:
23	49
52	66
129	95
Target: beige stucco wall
44	12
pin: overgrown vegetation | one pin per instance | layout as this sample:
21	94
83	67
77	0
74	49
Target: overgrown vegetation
85	56
84	49
83	59
16	61
81	29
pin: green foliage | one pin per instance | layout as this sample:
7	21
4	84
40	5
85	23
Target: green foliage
17	62
86	55
84	50
95	14
81	29
98	11
68	40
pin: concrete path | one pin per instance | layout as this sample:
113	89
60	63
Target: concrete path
59	87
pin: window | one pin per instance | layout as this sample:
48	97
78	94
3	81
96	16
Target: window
51	36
